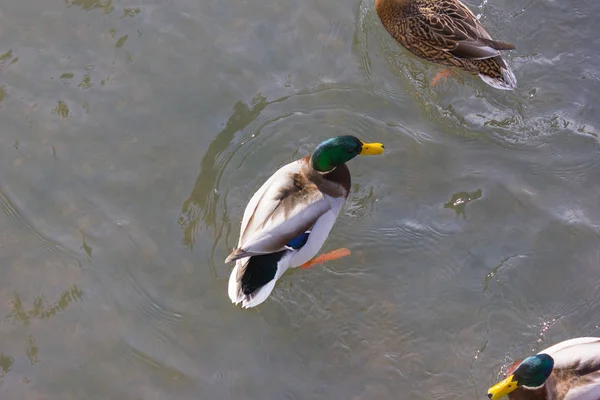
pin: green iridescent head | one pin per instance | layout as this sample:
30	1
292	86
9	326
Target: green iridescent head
341	149
532	372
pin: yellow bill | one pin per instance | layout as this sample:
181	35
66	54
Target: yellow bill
502	388
371	149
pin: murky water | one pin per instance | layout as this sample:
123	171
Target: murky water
132	134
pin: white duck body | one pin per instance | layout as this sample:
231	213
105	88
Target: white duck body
294	201
580	356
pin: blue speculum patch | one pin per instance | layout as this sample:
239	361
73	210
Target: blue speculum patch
299	241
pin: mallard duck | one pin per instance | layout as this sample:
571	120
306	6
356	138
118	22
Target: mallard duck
288	219
448	33
569	370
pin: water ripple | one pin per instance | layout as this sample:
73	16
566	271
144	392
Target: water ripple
11	210
264	127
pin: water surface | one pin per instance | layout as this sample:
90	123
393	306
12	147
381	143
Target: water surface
133	134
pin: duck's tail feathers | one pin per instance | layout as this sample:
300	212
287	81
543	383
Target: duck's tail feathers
234	288
495	44
257	297
507	80
252	279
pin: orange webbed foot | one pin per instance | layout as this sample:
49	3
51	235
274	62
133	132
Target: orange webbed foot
332	255
442	76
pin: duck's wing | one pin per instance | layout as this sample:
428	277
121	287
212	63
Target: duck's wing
582	355
286	206
450	26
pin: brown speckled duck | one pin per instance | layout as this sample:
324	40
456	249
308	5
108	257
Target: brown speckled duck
448	33
569	370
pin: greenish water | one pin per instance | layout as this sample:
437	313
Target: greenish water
133	134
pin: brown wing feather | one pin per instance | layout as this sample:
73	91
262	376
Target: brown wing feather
451	27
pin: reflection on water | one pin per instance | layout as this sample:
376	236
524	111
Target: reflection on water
86	247
458	202
200	206
7	59
498	269
106	6
41	309
6	363
62	109
32	351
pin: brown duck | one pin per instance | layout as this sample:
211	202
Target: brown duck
448	33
